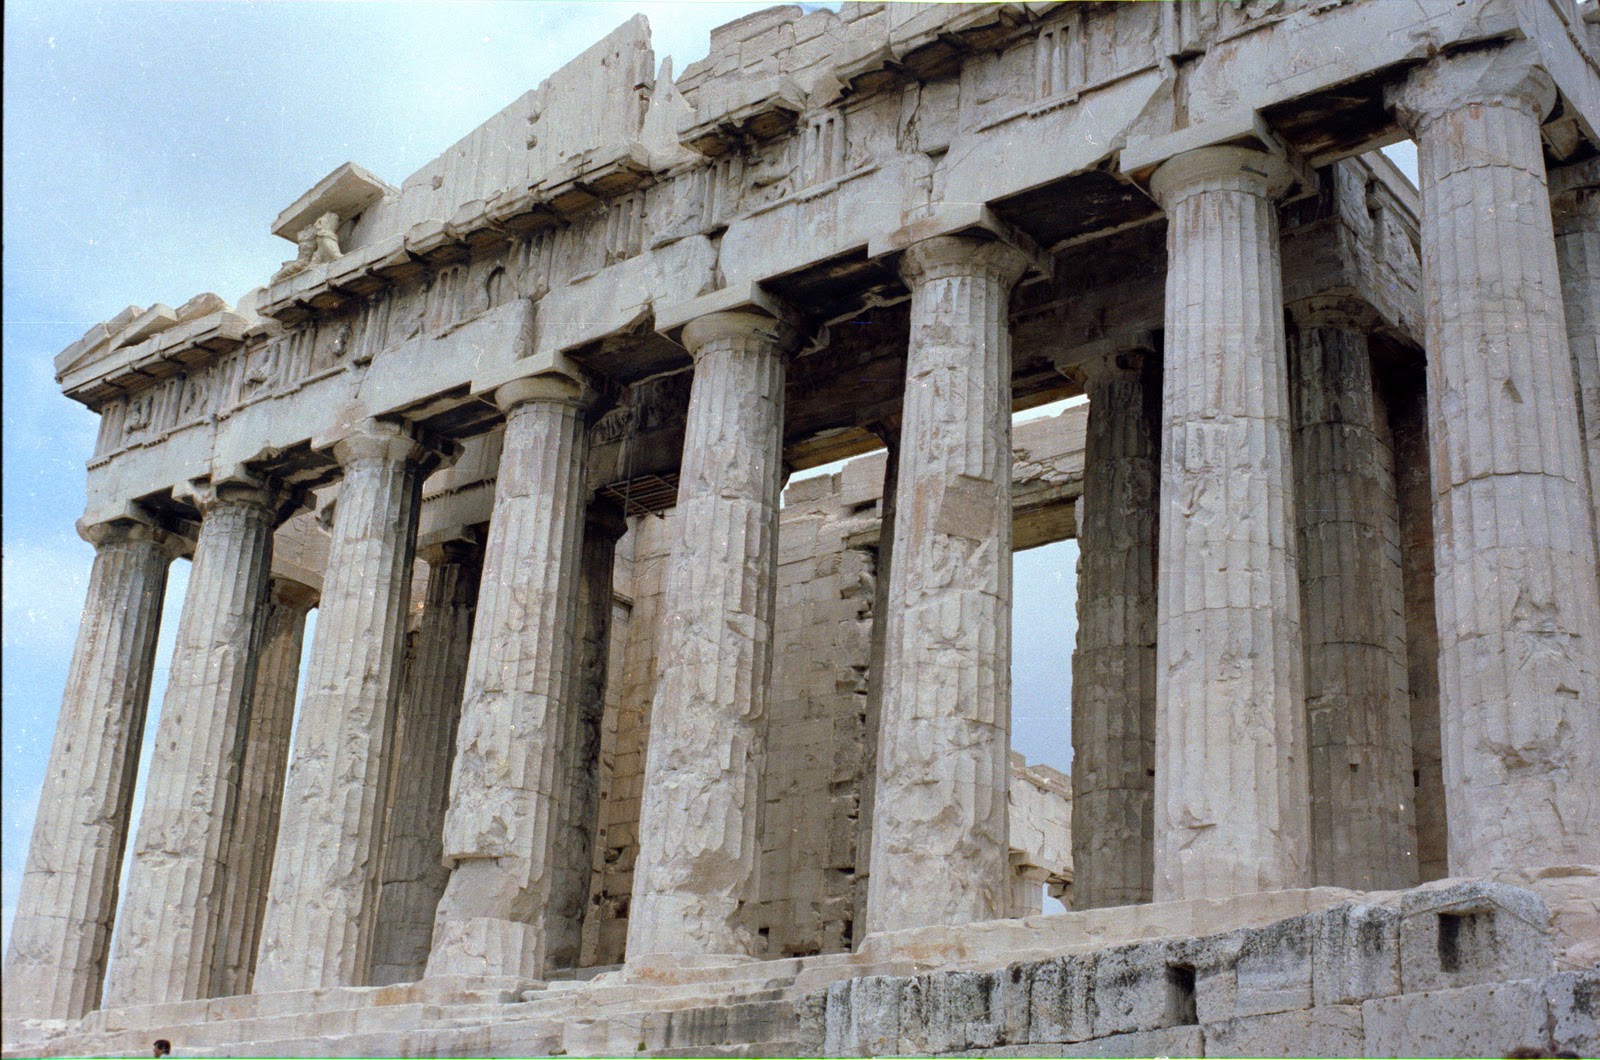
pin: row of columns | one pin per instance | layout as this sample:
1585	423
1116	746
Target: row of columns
1213	705
1281	666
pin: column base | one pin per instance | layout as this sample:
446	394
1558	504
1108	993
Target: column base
484	946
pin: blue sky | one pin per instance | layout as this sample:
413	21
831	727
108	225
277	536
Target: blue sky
147	148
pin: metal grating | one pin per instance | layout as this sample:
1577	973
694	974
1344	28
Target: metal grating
644	495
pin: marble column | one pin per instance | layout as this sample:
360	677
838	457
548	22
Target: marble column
174	920
1519	611
1363	823
1408	417
1114	667
266	760
55	962
574	853
697	868
322	902
1575	209
939	833
889	433
508	785
413	875
1231	802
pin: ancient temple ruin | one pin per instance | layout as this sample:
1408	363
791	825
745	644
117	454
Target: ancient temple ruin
612	744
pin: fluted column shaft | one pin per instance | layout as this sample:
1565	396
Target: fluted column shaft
574	855
1408	415
266	760
872	721
322	902
939	830
174	917
696	872
508	782
55	963
1575	208
1363	824
1114	667
1518	605
413	874
1231	797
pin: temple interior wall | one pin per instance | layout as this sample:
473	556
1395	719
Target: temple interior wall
811	822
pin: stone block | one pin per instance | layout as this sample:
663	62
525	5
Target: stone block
936	1009
1169	1041
1253	971
1332	1030
1007	1021
1574	999
1355	954
1061	1003
1142	987
1472	932
1483	1020
862	1016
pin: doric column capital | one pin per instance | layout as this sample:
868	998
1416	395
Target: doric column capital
558	387
1104	369
122	531
605	517
886	429
465	548
1341	312
1506	76
292	595
243	487
392	442
944	256
1220	168
703	332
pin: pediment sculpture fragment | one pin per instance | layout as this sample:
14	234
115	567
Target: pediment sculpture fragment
319	244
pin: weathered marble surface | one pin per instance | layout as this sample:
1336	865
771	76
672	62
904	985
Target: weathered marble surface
324	891
508	785
697	867
56	956
575	840
939	843
1575	208
1519	611
556	238
1231	812
1114	666
259	808
1363	825
429	711
175	916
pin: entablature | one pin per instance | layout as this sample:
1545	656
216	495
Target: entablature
544	235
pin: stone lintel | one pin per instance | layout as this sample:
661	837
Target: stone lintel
1341	310
440	541
516	355
749	298
961	218
1140	341
346	191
